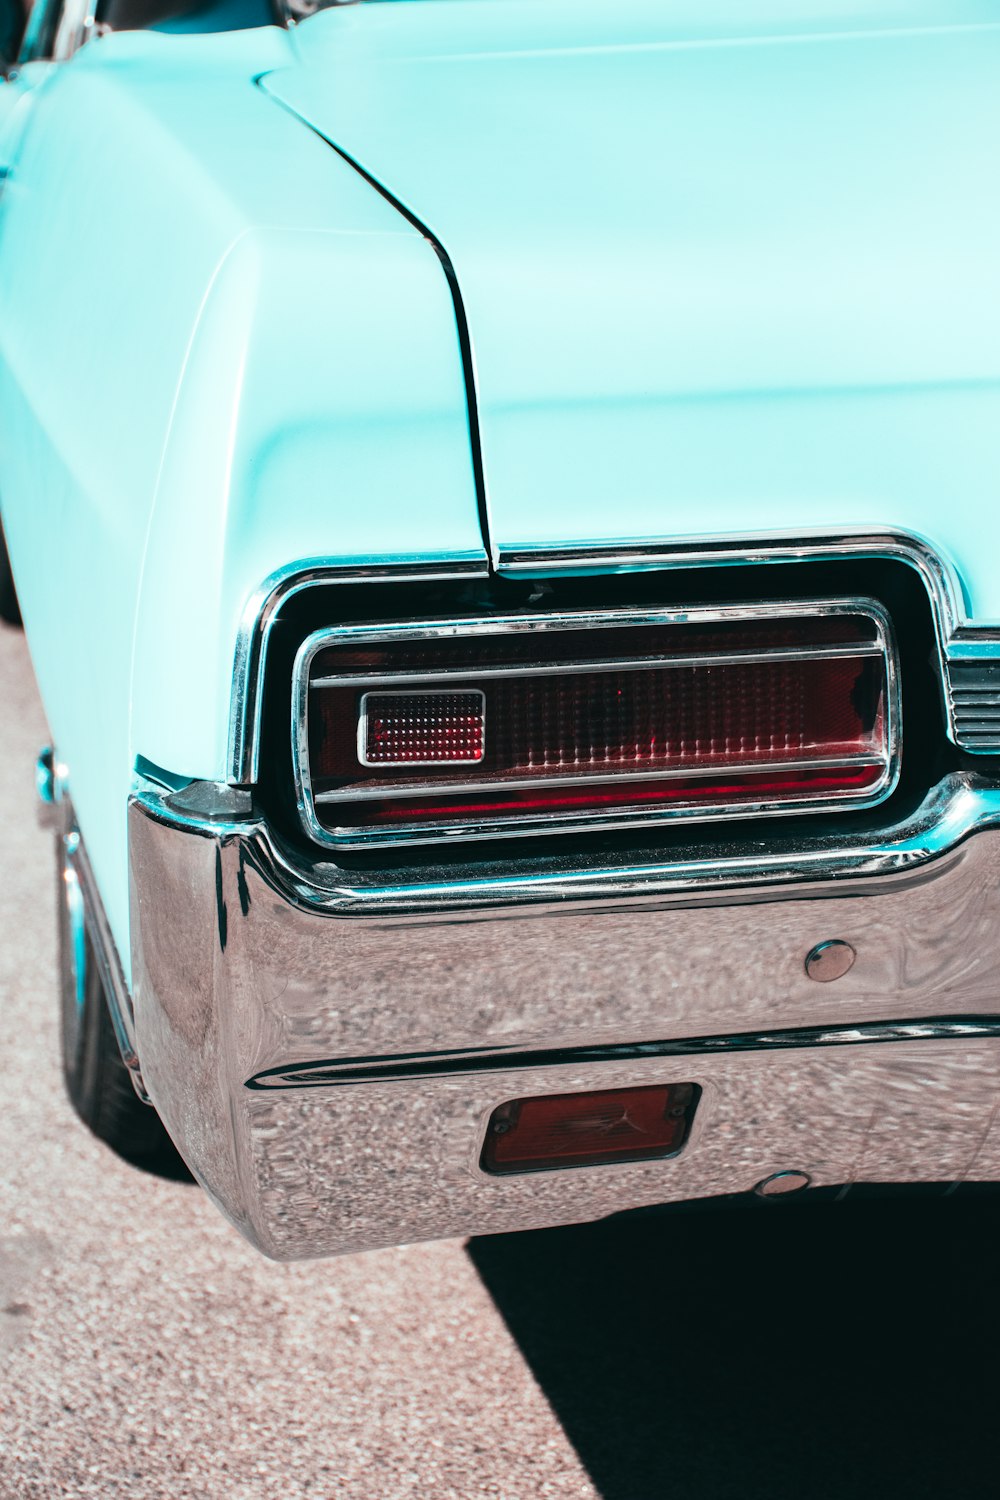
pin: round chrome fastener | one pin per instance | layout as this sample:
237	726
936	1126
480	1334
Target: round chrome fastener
830	960
782	1182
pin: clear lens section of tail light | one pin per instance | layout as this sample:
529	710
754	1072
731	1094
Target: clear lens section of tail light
422	729
541	724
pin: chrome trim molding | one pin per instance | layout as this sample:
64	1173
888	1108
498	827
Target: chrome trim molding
261	612
493	825
958	807
343	1072
939	575
116	991
367	793
958	638
562	668
74	913
55	815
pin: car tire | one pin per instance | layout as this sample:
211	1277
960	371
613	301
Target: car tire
97	1081
9	609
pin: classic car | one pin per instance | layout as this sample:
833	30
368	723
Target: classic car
504	501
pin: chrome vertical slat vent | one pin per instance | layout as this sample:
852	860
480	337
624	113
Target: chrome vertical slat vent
974	687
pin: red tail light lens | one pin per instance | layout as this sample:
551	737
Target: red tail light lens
578	1130
535	724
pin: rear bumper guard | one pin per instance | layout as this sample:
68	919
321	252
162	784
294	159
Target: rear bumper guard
327	1049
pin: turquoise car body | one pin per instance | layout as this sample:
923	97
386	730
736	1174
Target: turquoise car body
721	271
224	353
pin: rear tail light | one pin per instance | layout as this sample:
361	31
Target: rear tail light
533	724
422	729
579	1130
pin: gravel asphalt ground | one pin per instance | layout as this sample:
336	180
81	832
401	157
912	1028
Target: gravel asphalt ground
764	1352
146	1350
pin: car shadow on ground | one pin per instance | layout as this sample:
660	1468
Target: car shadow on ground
788	1350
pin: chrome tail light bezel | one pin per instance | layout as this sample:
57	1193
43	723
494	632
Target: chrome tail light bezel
499	826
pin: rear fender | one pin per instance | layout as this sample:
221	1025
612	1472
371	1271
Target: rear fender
257	363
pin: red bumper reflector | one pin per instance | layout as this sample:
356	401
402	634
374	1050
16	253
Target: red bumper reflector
579	1130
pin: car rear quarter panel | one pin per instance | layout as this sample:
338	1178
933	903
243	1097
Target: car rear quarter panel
221	353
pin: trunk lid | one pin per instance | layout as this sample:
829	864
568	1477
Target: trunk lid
722	275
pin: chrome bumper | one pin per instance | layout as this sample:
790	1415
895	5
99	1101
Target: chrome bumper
327	1049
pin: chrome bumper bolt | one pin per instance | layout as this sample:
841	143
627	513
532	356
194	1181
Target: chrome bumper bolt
830	960
780	1183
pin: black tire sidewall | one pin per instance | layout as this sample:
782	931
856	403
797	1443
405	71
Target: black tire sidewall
97	1081
9	608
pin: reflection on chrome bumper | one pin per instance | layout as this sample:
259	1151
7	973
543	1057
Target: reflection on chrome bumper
327	1049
